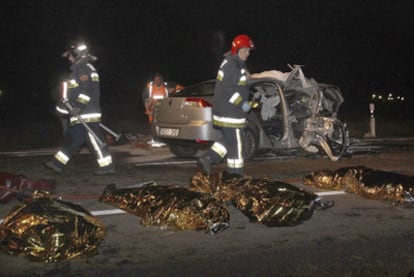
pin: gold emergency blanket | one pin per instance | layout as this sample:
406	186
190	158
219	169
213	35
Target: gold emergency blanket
49	230
366	182
270	202
170	206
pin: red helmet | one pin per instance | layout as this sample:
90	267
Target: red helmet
241	41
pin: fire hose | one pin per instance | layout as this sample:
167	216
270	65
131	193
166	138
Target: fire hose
26	193
21	194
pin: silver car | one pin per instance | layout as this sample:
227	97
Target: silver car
183	121
297	113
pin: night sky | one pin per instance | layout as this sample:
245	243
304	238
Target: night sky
358	45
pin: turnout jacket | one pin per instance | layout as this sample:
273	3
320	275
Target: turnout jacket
83	91
230	93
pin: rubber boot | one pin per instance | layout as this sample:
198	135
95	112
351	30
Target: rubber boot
205	164
107	170
53	166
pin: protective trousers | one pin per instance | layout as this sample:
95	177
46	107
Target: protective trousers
76	137
230	144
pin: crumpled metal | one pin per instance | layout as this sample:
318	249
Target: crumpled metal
266	201
170	207
366	182
50	230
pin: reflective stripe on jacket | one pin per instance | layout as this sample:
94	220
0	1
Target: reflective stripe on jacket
157	92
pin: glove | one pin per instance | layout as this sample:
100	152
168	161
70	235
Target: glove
254	105
246	107
75	111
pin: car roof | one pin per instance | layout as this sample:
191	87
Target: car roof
205	88
263	80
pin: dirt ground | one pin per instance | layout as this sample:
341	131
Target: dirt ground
356	237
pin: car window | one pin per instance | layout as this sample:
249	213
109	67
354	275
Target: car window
264	88
201	89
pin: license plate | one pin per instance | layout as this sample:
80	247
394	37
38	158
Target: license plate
169	132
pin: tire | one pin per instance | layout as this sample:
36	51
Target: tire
337	142
183	151
250	144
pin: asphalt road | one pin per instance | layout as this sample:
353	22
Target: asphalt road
356	237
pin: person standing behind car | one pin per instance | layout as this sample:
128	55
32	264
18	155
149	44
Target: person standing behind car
82	93
155	90
230	108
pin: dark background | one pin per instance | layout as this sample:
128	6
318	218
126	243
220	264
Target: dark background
361	46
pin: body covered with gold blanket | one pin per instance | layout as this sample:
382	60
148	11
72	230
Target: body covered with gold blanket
262	200
366	182
170	206
50	230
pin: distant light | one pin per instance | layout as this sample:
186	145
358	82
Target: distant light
1	92
387	97
82	47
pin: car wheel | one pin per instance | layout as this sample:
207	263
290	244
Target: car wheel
250	144
183	151
336	143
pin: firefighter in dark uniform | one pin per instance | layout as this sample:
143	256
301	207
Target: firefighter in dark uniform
82	99
230	108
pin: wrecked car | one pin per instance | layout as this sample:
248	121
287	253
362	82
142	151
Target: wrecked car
293	112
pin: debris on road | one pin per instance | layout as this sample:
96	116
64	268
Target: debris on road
14	185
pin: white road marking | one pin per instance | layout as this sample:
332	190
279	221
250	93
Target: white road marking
165	163
333	192
108	212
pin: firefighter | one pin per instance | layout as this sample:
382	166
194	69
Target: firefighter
155	90
230	108
82	100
